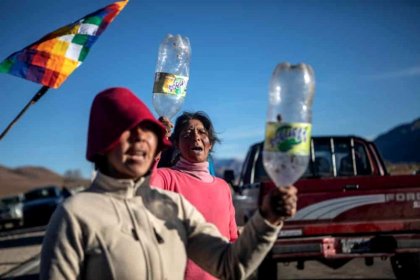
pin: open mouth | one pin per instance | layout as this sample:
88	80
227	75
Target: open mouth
197	149
137	155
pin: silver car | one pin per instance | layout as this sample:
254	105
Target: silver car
11	211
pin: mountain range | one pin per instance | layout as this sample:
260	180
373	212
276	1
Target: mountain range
401	144
19	180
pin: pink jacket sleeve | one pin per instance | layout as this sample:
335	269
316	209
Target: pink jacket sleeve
161	178
233	229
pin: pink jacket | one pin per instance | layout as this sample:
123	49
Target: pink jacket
213	199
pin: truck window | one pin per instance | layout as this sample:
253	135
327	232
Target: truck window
260	173
343	158
323	159
322	166
330	157
252	163
362	160
351	162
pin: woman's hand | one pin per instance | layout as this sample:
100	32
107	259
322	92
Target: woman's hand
168	124
279	204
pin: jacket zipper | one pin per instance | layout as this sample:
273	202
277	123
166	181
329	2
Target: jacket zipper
138	237
157	240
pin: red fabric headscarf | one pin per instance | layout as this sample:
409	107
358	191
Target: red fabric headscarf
113	111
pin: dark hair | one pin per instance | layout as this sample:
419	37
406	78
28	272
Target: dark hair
100	163
182	122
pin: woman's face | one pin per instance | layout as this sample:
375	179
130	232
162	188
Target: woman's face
133	156
194	143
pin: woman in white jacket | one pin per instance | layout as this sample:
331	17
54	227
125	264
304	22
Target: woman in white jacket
120	228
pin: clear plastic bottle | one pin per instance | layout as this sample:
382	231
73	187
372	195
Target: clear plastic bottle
172	74
288	127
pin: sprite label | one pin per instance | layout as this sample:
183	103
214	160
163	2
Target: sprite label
291	138
170	84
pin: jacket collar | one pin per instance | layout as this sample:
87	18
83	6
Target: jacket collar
200	170
122	188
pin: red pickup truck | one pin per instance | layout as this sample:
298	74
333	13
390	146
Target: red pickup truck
349	207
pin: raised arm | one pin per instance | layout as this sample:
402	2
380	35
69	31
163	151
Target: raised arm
238	260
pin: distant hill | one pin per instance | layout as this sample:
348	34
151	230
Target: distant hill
220	165
22	179
401	144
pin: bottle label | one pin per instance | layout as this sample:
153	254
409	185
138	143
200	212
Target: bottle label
291	138
170	84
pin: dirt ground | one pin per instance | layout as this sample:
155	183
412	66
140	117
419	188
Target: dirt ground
22	247
355	269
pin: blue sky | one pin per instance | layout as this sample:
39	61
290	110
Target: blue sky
365	54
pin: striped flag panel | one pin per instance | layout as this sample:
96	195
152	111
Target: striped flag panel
53	58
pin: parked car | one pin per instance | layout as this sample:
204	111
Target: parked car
39	204
11	214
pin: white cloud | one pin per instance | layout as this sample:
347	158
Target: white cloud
408	72
244	133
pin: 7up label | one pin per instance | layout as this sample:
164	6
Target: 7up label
290	138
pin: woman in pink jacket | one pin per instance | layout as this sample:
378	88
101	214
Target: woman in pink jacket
194	137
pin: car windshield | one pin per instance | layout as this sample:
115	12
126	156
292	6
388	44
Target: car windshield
41	193
10	200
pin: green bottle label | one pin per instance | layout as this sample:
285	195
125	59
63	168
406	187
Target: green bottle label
291	138
170	84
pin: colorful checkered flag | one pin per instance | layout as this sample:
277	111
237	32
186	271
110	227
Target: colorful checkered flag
53	58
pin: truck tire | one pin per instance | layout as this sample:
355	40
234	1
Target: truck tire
406	266
268	269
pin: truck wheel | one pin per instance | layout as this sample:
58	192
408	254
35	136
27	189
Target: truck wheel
267	270
406	266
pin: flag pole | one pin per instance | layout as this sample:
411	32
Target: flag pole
34	99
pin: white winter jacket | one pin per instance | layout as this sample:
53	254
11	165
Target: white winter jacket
119	229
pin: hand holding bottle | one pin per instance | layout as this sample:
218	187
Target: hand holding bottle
168	125
279	204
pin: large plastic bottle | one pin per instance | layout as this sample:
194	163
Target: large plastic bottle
288	127
171	76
